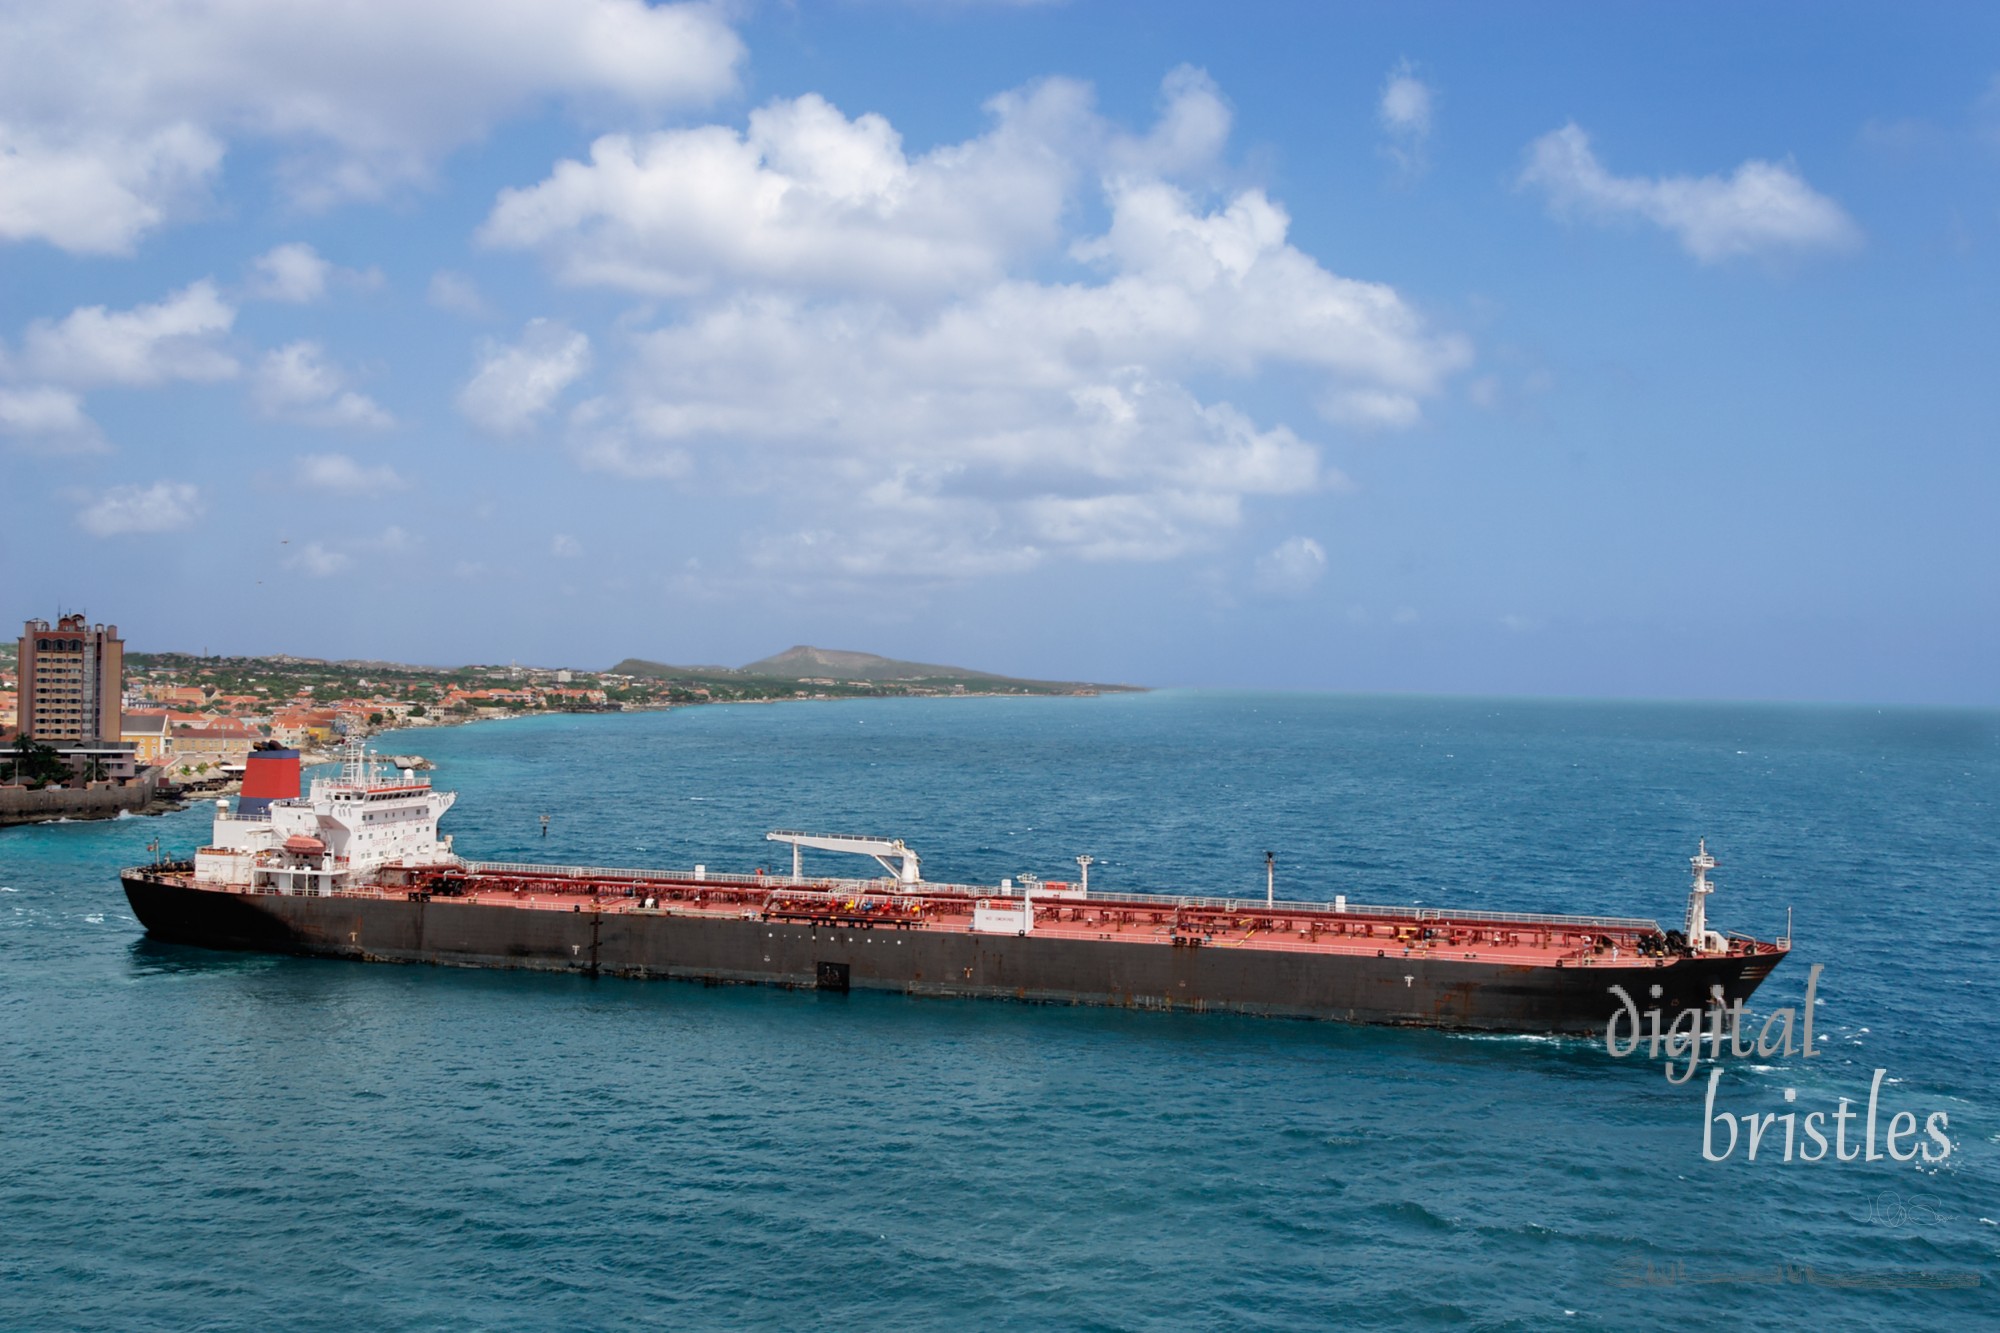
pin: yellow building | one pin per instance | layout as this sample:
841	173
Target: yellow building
151	733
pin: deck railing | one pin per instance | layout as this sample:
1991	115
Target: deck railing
891	888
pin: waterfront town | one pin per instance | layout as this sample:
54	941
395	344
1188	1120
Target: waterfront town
89	730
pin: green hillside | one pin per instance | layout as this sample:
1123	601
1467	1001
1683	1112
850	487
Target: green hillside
838	672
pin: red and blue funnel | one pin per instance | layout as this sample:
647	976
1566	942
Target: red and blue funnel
268	775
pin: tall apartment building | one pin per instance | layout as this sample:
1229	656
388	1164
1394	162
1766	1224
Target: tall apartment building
72	678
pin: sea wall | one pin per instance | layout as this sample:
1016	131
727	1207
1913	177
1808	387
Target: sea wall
18	805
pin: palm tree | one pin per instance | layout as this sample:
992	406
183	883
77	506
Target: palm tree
35	764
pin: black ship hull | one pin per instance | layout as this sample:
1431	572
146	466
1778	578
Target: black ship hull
1403	989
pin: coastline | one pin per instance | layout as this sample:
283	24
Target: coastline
57	805
326	755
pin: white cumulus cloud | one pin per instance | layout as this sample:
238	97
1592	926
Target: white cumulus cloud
298	274
48	420
997	420
1032	419
935	342
565	547
320	561
516	384
324	559
298	383
165	506
1291	568
1762	207
115	114
1189	136
341	475
293	273
176	339
1405	114
94	191
805	197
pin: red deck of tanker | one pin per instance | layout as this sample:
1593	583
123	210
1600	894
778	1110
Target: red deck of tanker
1521	939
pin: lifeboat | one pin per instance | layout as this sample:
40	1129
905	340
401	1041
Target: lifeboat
303	845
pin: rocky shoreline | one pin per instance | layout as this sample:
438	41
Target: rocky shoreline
49	805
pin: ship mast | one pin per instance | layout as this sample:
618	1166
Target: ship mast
357	766
1697	913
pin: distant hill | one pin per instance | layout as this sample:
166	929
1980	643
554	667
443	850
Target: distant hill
639	666
805	663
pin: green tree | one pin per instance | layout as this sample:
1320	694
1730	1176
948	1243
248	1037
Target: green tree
34	764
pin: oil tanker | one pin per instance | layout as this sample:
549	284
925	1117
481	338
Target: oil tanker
356	869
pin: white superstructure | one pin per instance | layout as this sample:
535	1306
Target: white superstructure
345	828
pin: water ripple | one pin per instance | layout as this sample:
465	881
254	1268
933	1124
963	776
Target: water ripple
233	1142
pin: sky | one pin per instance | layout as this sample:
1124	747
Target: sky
1602	351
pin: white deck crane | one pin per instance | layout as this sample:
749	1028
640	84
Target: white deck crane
906	870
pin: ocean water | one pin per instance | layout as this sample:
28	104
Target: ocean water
204	1140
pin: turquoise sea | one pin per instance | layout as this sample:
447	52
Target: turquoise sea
201	1140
